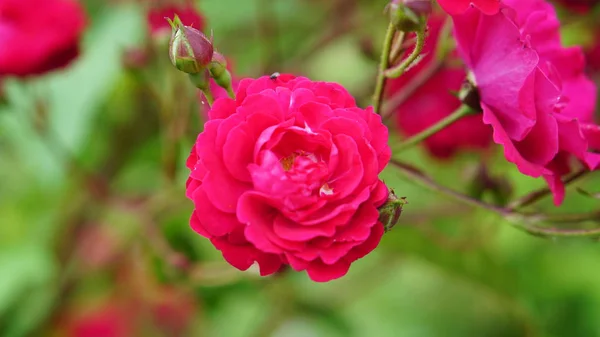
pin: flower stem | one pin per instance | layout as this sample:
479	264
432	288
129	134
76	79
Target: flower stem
383	65
230	92
209	97
459	113
398	70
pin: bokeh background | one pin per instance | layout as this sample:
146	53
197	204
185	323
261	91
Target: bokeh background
94	223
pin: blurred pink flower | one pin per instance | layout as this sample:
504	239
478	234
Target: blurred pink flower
38	36
107	320
533	91
287	173
187	13
433	100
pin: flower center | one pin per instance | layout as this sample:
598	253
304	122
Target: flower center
288	162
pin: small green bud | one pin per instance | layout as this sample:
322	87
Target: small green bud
219	72
190	51
389	213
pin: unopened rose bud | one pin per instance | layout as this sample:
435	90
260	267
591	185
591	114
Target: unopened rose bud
390	212
189	50
409	15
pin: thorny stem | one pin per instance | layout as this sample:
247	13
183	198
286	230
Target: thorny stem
422	179
528	222
383	65
398	70
461	112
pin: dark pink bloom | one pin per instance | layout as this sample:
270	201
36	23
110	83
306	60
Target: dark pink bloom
38	36
287	174
454	7
533	91
434	100
187	13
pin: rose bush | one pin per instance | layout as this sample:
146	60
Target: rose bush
43	35
287	174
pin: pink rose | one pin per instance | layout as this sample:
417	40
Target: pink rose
454	7
187	13
533	91
287	174
38	36
433	100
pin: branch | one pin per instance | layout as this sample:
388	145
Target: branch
528	222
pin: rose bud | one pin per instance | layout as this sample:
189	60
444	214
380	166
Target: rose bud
389	213
222	76
189	50
409	15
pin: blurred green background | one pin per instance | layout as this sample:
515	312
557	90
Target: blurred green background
94	222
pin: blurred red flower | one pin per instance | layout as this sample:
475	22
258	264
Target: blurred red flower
287	173
107	320
39	35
